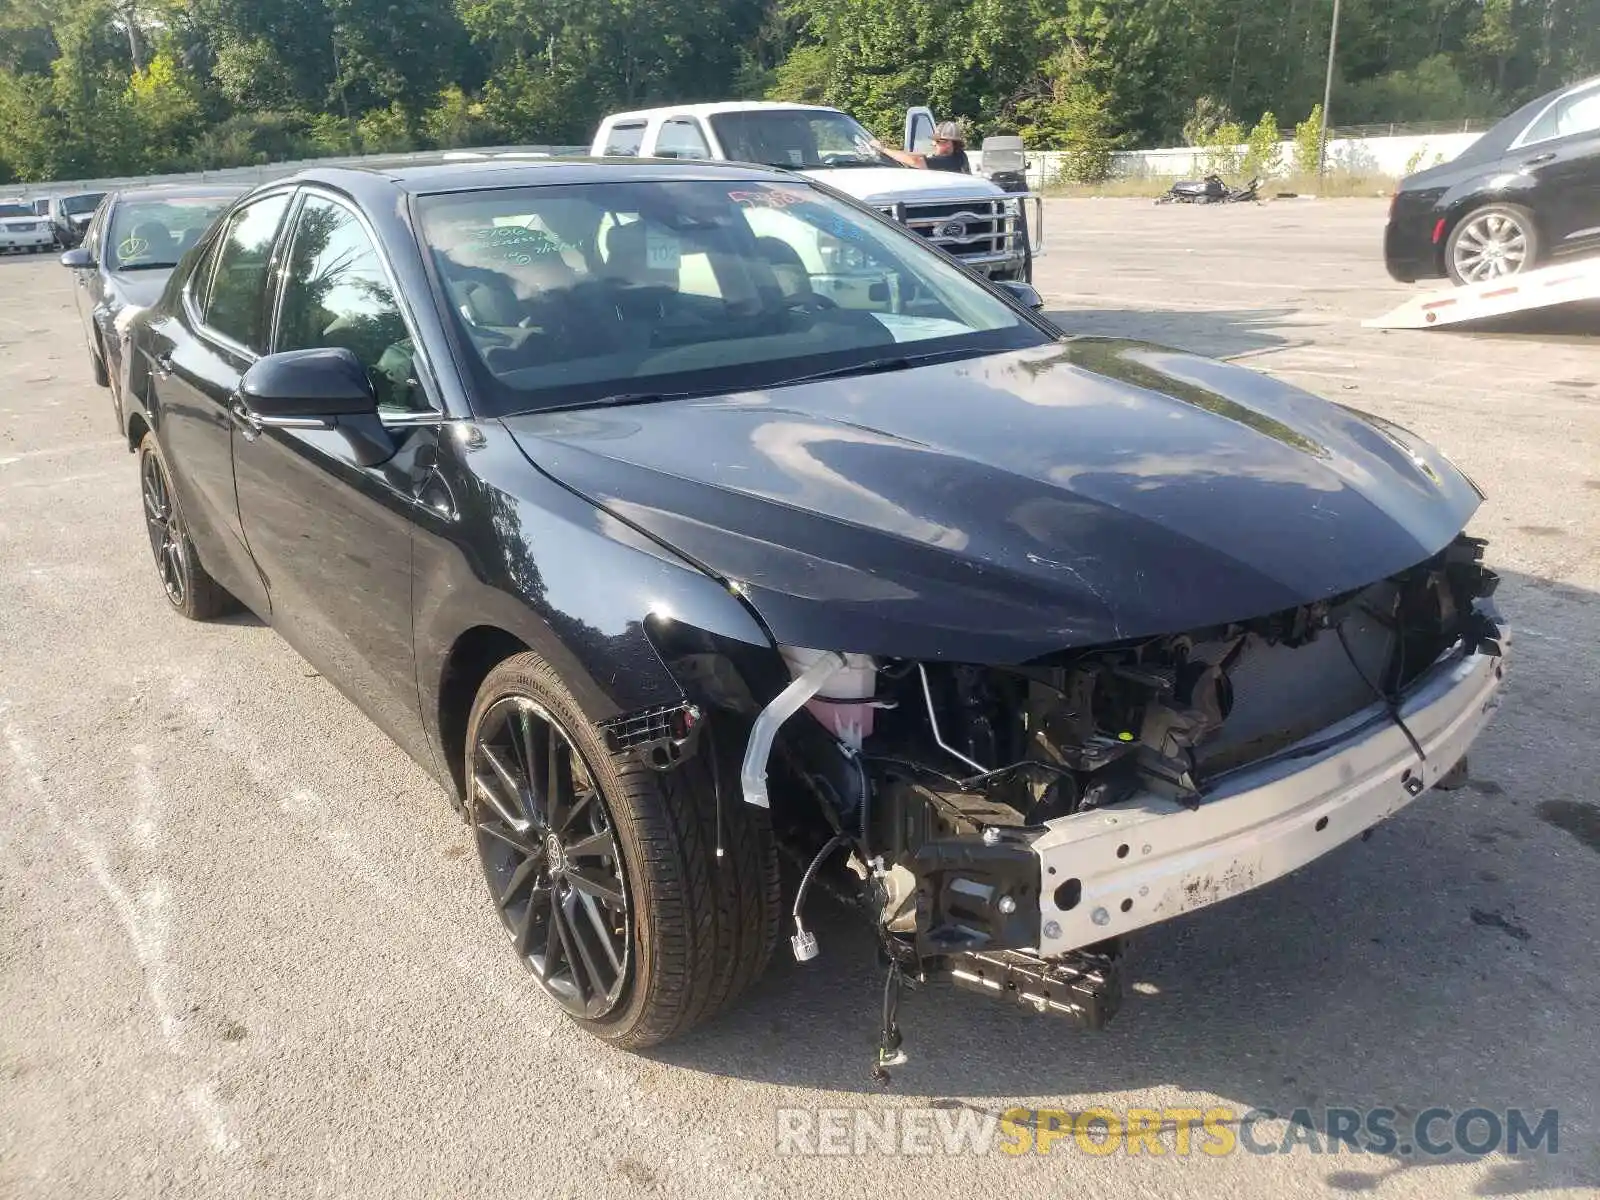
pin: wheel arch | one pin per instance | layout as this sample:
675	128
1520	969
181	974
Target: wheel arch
138	426
1460	208
467	664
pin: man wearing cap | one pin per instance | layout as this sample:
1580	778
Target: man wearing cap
949	151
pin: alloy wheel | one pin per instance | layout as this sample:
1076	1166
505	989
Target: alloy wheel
550	856
1489	246
166	533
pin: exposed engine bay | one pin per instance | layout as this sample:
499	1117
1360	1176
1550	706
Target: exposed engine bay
938	777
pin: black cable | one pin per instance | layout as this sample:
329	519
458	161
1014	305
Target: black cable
834	843
866	807
913	766
716	783
977	780
1389	701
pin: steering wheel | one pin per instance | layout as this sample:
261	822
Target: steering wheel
810	302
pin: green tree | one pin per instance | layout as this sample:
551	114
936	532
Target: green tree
1308	143
1263	156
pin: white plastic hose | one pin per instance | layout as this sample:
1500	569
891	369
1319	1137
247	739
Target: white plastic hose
753	775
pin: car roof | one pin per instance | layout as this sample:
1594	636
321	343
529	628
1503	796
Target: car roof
459	176
177	191
713	109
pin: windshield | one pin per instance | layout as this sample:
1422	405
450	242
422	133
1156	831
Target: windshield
572	294
76	205
796	138
147	234
16	210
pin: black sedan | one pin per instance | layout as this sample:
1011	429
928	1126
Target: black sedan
1526	192
673	514
127	253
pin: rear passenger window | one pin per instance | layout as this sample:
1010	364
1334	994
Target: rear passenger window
681	138
625	140
235	305
1578	113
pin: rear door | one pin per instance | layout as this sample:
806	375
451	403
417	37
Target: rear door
198	358
1561	151
329	527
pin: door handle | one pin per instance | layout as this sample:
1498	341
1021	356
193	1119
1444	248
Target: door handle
162	363
1547	156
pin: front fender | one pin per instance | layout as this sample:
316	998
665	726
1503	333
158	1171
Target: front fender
525	555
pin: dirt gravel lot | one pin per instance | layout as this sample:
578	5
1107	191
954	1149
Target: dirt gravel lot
243	949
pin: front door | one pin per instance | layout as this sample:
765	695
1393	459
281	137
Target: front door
331	536
86	284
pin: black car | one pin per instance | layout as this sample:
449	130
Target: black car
135	239
676	515
70	216
1524	193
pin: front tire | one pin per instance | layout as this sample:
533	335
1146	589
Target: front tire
97	363
1492	242
189	587
604	871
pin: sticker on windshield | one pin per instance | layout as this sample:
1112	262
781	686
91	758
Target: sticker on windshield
769	198
662	251
132	247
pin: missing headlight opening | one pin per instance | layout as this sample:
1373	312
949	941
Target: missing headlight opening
1009	824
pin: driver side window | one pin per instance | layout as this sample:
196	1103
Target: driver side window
335	293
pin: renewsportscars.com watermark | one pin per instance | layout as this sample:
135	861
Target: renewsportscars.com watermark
1180	1132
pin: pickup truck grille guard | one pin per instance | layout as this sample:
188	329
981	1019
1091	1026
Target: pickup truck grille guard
982	231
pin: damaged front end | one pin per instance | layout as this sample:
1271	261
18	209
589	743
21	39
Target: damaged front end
1009	825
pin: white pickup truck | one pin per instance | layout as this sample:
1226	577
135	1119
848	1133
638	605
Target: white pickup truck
966	215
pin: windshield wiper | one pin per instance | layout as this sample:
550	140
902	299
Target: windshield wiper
878	366
619	400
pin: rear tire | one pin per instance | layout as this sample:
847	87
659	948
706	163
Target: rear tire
1492	242
189	587
690	930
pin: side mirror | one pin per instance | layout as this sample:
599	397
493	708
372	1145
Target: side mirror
78	258
306	388
1023	293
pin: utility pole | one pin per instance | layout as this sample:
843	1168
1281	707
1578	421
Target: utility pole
1327	94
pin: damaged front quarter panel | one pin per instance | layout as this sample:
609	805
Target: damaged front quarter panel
570	581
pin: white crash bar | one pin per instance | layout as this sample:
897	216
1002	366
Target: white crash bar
1117	869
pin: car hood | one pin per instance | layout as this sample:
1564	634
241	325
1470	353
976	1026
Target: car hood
139	289
1000	508
884	185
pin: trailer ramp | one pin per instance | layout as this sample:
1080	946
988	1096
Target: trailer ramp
1564	283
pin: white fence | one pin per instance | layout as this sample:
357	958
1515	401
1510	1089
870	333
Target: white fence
1389	156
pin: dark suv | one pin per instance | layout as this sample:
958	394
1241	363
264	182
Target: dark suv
1525	192
70	216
